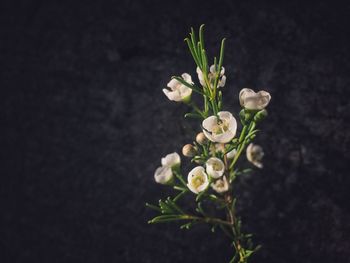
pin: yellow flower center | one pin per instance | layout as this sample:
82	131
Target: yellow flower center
220	127
217	166
197	180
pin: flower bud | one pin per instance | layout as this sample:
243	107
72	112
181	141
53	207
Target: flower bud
260	115
245	115
188	150
201	139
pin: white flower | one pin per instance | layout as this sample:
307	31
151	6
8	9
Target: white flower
220	185
197	180
163	175
179	91
231	154
211	76
215	167
221	129
222	78
254	101
200	76
255	154
171	159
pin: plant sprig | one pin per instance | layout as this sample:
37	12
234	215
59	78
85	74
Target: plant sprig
216	152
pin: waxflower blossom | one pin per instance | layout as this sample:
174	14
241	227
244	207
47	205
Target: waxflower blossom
200	76
222	78
172	160
220	185
220	129
178	91
251	100
211	76
231	154
255	154
163	175
215	167
197	180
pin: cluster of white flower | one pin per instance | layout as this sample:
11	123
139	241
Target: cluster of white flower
215	150
170	163
218	130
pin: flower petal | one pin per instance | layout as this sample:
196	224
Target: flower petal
171	159
187	78
173	84
163	175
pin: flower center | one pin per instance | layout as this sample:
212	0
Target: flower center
197	181
220	127
216	166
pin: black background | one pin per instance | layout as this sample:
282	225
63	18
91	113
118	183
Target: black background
84	124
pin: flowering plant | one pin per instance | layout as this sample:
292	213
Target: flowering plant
215	151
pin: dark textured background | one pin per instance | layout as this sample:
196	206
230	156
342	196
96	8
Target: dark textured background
84	124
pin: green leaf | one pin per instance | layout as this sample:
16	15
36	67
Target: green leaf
167	218
174	206
201	37
200	195
204	61
221	59
193	52
176	198
187	225
179	177
193	115
153	207
199	209
165	208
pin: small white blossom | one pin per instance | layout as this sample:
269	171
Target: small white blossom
222	78
211	76
231	154
221	185
255	154
200	76
220	129
215	167
163	175
197	180
171	159
254	101
179	91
